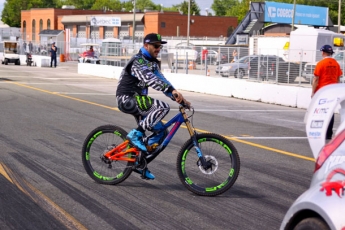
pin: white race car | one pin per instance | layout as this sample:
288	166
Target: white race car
322	206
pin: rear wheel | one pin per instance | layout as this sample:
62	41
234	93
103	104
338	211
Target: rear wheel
312	223
223	165
98	142
6	62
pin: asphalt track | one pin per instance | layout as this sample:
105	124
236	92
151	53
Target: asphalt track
45	115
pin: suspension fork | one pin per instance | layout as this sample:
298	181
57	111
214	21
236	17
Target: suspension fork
193	134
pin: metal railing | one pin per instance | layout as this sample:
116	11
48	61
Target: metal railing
274	66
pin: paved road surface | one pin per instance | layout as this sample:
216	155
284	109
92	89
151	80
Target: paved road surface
45	115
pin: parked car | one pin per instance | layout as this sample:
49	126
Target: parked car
238	69
272	68
182	53
322	206
214	58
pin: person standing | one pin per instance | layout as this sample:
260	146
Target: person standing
204	54
53	51
30	47
235	56
24	47
327	71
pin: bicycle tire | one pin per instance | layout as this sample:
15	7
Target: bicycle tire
98	142
221	153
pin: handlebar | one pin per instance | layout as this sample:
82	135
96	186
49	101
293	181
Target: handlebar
183	104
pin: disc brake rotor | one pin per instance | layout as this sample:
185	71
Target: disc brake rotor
212	162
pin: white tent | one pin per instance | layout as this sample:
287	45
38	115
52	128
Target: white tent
3	25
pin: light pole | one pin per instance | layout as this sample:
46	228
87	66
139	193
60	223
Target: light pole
188	23
339	14
134	19
293	15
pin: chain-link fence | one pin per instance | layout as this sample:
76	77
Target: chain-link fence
276	66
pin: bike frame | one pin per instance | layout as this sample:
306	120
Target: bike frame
118	153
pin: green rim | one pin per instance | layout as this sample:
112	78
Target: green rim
208	189
87	156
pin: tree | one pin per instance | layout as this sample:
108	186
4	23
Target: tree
239	10
220	6
140	5
11	14
78	4
114	5
146	4
183	7
12	10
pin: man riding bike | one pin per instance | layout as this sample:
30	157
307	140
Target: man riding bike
142	71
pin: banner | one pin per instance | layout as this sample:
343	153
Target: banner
304	15
105	21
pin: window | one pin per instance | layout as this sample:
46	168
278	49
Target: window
41	25
81	31
24	30
33	30
48	24
162	24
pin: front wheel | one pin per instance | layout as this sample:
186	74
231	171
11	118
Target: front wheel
312	223
223	165
239	73
98	142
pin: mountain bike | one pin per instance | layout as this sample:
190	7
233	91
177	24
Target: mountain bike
207	164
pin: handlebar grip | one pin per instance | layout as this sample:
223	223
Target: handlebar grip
182	103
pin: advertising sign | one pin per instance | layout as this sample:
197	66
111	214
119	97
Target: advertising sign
320	112
304	15
105	21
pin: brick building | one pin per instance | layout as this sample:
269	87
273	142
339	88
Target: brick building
78	21
175	24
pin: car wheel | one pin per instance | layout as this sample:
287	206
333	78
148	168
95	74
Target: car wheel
312	223
223	75
239	73
6	61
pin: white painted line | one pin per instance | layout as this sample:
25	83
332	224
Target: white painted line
107	94
301	122
271	138
242	110
66	78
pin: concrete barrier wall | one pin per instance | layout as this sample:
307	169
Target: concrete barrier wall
38	60
292	96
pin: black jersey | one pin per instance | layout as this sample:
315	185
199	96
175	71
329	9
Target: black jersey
140	73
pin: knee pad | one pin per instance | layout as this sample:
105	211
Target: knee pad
129	106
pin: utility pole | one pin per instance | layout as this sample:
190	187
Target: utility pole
134	9
293	15
188	23
339	14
